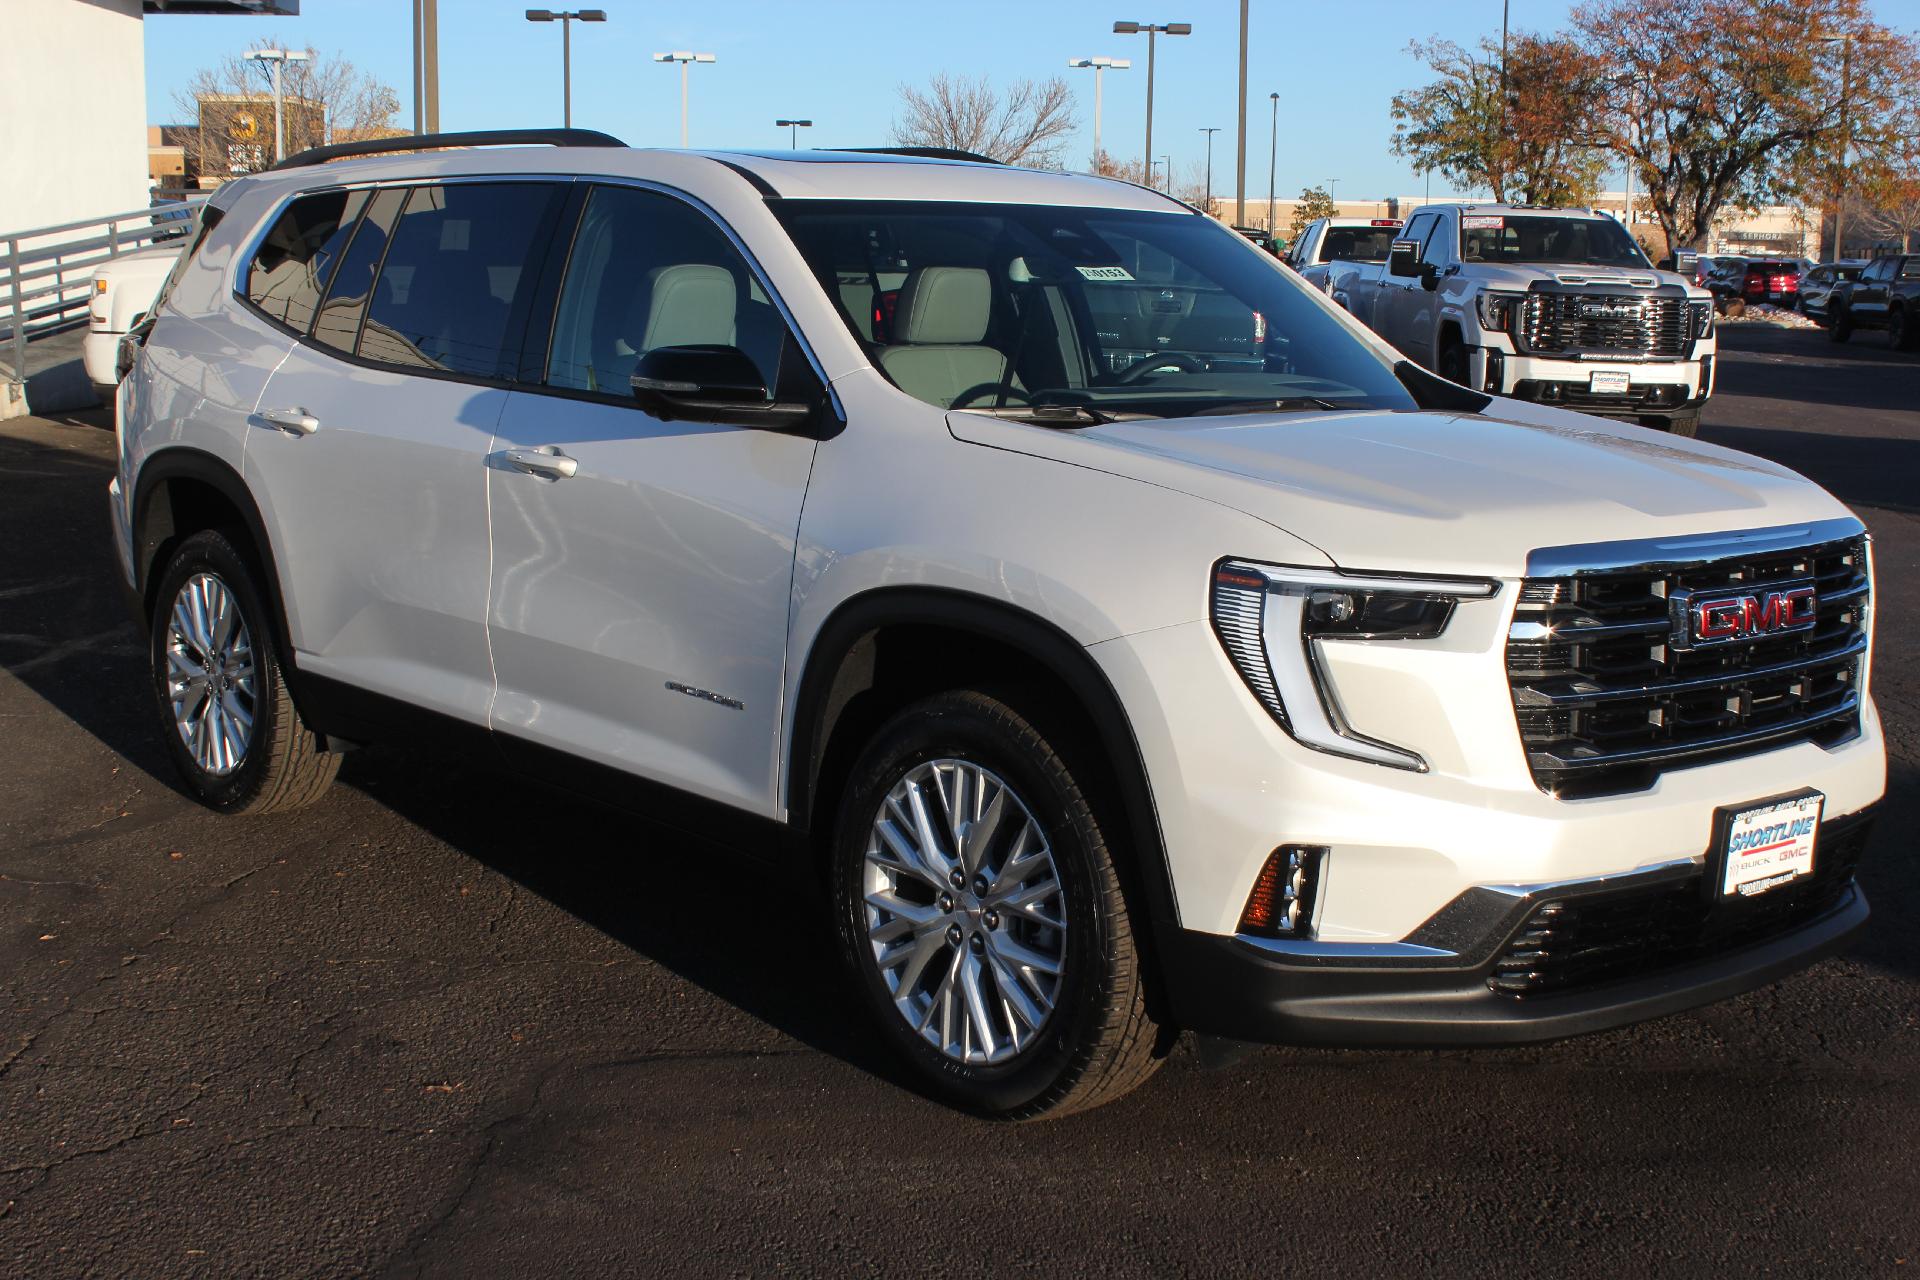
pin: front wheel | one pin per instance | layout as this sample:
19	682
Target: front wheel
977	902
1455	365
1900	331
229	723
1840	325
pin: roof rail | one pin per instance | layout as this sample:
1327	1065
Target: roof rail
475	138
924	153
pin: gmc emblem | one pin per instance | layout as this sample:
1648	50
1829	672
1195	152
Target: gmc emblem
1611	310
1721	617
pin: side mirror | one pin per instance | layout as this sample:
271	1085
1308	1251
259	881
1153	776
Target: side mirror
711	383
1403	259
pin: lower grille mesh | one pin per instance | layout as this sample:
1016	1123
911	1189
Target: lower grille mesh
1577	942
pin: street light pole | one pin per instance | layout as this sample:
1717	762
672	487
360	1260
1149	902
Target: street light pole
1152	29
1273	160
1100	66
1166	167
278	58
566	19
1331	184
1210	133
685	59
1240	136
793	128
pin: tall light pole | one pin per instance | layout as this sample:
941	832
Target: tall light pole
793	128
685	60
1210	133
279	58
1846	135
1273	160
1240	135
566	20
426	66
1166	167
1331	184
1100	67
1152	29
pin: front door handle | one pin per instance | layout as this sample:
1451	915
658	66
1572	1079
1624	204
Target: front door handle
295	422
547	461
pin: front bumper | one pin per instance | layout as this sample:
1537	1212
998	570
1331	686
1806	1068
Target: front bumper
1656	389
1435	990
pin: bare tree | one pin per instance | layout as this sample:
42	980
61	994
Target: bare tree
1028	124
327	99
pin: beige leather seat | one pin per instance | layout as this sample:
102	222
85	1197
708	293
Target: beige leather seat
691	304
938	323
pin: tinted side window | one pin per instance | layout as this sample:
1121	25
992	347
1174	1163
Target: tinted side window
1420	228
650	271
459	277
338	324
290	268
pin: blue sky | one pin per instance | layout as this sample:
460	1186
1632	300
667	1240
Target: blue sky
840	62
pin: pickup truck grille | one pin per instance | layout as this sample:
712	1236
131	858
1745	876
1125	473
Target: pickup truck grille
1602	324
1577	942
1605	700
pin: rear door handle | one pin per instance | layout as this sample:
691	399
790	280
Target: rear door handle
295	422
547	461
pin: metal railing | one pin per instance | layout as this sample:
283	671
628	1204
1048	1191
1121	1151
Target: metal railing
46	273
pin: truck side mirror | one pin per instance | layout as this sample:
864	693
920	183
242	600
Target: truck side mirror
1403	259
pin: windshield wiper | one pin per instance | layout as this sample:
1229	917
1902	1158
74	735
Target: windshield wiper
1044	415
1280	405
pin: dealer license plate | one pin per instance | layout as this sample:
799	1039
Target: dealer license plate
1768	845
1610	382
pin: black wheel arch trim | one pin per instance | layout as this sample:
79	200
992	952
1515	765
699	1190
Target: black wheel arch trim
184	462
1047	644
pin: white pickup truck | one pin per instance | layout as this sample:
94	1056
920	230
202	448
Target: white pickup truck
1552	305
1327	242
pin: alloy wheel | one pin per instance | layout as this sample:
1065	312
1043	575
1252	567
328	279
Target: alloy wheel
965	914
211	676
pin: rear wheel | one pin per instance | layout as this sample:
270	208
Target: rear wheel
229	723
977	902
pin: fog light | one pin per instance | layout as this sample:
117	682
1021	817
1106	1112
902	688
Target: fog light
1496	372
1281	904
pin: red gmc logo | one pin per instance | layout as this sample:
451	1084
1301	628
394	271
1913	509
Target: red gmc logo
1718	617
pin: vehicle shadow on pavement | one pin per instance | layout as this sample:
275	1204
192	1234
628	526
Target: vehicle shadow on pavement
64	628
747	926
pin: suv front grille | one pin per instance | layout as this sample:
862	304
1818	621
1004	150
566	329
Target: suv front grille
1578	941
1605	701
1603	324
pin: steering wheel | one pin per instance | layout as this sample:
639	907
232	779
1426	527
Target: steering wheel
1158	362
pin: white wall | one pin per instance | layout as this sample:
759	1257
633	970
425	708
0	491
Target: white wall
73	111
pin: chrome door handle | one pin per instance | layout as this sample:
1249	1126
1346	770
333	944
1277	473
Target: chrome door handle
548	462
295	422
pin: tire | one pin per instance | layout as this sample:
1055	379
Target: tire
1840	323
1097	1041
1900	330
1687	425
1455	364
271	762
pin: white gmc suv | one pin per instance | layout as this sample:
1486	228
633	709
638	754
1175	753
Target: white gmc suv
1134	642
1557	306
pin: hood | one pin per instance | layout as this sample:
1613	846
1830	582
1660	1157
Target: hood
1520	276
1426	492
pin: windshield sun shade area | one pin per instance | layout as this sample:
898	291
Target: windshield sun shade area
1071	315
1592	242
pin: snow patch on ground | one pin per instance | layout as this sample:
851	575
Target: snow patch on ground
1767	313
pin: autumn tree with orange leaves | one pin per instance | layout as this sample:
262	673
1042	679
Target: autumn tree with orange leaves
1733	103
1536	139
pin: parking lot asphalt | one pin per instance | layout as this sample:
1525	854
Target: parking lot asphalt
442	1024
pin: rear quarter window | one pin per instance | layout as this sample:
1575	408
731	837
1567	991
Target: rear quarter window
290	268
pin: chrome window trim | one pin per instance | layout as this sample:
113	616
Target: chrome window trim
1677	552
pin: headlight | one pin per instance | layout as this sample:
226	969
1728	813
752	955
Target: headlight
1273	620
1497	310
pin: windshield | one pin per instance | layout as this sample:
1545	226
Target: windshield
1071	315
1594	242
1358	244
